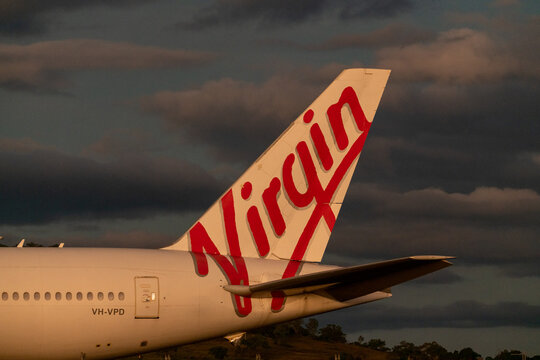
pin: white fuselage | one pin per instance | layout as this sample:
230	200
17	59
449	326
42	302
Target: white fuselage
103	303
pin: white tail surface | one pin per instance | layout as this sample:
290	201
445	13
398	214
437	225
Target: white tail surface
285	205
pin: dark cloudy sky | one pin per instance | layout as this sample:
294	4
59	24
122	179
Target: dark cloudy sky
121	121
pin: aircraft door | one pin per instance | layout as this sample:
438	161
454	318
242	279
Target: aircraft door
146	297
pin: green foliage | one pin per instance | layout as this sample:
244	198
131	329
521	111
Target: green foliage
297	327
510	355
406	350
267	331
218	352
435	351
282	332
468	354
312	327
432	351
255	341
377	344
332	333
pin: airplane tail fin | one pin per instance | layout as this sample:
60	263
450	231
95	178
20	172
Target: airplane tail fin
285	205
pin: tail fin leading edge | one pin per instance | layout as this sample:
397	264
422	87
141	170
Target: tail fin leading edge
285	205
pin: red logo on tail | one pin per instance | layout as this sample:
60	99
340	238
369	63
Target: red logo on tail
234	267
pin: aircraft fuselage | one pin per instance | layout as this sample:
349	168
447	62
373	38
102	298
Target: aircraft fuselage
100	303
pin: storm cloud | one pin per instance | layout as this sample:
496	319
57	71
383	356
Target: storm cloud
40	185
461	314
45	65
285	12
487	226
226	112
459	56
395	34
22	17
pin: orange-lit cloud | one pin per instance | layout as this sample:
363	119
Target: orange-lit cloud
44	65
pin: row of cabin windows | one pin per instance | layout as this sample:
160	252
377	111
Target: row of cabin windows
58	296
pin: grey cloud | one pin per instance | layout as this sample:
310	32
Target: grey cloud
288	12
22	145
43	65
438	277
21	17
119	143
483	205
522	269
393	236
487	226
374	8
40	186
505	2
455	137
461	314
461	56
225	113
229	11
396	34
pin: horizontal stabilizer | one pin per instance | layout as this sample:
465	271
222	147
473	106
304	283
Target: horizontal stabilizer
350	282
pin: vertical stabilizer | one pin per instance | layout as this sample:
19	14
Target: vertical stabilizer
285	205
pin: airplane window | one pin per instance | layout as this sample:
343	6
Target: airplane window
26	296
100	295
36	296
69	296
111	296
5	296
79	296
89	295
120	296
47	296
58	296
15	296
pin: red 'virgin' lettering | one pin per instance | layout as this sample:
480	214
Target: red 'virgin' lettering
320	211
322	196
269	197
229	219
308	116
235	271
234	267
319	142
246	190
322	147
314	188
257	231
348	96
255	224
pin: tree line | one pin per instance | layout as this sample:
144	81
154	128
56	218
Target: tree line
334	333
